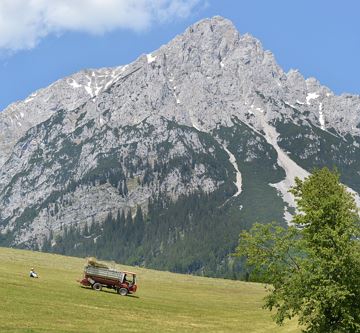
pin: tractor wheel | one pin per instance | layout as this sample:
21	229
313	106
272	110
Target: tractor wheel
97	286
122	291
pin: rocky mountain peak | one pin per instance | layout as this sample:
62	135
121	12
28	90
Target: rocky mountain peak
210	112
216	26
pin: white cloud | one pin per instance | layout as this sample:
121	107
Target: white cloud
24	22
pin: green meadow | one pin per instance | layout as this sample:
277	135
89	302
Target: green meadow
165	302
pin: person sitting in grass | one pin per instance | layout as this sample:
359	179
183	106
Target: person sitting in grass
33	274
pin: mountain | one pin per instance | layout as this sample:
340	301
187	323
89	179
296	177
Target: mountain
164	161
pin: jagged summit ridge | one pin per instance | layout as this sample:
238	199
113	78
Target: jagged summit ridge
211	45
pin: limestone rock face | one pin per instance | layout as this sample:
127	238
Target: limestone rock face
67	94
210	109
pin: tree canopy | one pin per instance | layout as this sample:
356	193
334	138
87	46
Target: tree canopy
313	266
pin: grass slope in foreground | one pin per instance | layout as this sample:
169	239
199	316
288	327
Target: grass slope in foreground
165	302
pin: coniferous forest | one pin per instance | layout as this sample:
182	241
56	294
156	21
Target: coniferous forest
170	236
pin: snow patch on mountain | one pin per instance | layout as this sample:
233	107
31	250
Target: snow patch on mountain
150	58
291	105
311	96
74	84
96	81
238	181
355	195
291	169
194	123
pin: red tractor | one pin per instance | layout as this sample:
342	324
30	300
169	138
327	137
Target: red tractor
103	277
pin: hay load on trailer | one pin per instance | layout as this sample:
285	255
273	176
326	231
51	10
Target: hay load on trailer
97	276
93	262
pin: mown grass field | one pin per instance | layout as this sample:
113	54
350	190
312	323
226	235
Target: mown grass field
165	302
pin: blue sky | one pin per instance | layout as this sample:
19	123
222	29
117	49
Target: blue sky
321	38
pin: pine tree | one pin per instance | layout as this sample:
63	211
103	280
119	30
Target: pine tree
138	226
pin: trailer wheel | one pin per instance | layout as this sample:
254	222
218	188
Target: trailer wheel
97	286
122	291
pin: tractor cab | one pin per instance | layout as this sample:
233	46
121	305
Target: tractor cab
128	283
129	278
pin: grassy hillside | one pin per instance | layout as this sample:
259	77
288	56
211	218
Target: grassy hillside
165	302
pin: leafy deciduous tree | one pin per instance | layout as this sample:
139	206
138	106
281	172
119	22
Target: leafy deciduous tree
313	266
